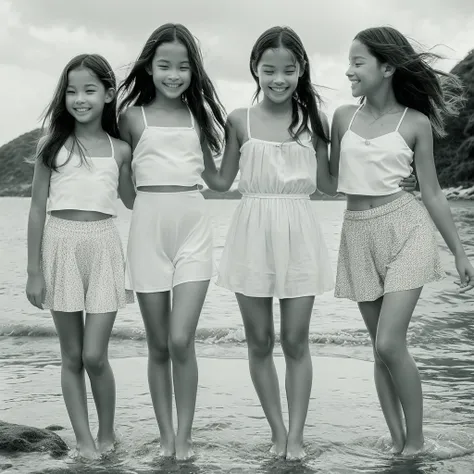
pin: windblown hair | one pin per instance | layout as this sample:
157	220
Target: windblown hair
416	84
201	97
305	97
61	122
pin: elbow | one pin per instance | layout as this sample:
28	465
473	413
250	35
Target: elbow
432	197
37	214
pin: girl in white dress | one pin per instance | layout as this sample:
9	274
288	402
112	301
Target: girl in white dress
274	247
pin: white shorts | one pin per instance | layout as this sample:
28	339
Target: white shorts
170	241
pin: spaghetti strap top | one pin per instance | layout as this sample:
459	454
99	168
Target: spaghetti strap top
277	169
90	186
373	166
168	156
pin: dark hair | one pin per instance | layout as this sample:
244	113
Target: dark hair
416	84
201	97
305	96
61	122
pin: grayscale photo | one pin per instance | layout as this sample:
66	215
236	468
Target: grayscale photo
237	237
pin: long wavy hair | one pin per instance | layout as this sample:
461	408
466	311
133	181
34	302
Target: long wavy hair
305	97
201	97
416	83
61	122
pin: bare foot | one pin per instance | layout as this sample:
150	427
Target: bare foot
106	445
294	450
279	445
396	448
413	449
87	452
184	449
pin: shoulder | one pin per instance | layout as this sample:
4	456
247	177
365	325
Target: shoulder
345	112
417	119
237	116
130	115
123	151
41	143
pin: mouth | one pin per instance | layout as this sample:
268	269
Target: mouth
82	110
278	90
354	82
172	86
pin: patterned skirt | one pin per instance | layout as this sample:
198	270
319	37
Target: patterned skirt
83	266
385	249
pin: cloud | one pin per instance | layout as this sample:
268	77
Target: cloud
39	37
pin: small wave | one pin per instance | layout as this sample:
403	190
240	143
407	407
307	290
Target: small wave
203	335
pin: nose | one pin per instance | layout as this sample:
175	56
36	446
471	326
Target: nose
349	71
173	75
279	79
79	98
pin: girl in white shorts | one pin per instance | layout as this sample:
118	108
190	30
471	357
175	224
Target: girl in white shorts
389	248
75	261
175	116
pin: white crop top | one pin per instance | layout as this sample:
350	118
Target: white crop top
168	156
90	186
373	166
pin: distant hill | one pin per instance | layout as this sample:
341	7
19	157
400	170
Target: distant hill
454	155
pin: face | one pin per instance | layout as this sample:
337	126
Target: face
278	73
86	95
365	71
171	69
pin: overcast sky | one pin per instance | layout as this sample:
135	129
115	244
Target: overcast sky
38	37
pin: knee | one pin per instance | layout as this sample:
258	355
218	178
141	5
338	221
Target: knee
181	347
261	345
387	350
94	361
158	352
72	360
294	346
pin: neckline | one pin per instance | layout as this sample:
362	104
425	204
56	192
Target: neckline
277	144
367	141
169	128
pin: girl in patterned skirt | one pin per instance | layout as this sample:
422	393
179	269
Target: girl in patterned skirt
388	245
75	260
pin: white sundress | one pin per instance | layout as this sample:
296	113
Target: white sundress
274	246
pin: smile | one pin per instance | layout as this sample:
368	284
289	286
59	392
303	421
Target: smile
173	86
279	89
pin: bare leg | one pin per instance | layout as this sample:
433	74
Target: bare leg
155	309
295	319
95	356
257	315
188	299
395	316
388	398
70	329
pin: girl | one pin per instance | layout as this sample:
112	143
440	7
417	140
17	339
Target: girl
75	261
176	114
274	246
388	245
